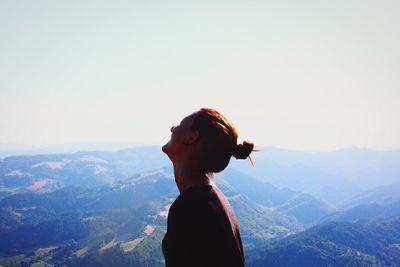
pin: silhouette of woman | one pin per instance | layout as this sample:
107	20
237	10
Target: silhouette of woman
202	229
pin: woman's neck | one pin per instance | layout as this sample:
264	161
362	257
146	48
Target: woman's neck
187	176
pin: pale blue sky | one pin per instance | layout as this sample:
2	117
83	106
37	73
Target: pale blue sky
309	75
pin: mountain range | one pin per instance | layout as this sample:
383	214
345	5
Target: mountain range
97	208
111	216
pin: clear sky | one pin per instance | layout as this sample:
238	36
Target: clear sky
310	75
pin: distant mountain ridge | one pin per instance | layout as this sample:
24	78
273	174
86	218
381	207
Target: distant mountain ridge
365	212
333	176
381	195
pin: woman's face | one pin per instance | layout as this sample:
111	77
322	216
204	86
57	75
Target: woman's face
181	136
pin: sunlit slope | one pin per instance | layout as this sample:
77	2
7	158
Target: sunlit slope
46	173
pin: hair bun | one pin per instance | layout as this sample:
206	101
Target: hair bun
242	151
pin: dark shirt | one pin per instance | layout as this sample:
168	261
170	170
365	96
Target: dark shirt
202	231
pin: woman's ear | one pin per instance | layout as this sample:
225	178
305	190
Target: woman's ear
192	137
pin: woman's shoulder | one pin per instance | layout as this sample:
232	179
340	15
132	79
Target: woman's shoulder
194	198
207	199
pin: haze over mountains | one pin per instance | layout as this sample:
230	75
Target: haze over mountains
333	176
96	208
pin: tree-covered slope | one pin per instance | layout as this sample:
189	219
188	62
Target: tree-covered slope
335	244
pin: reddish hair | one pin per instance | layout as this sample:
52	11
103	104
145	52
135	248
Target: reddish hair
219	139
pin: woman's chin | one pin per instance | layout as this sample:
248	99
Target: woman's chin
165	148
168	150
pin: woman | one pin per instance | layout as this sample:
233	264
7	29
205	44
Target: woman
202	228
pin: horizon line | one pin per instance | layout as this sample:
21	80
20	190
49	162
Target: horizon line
113	147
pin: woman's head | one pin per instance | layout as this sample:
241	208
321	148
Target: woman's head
209	135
